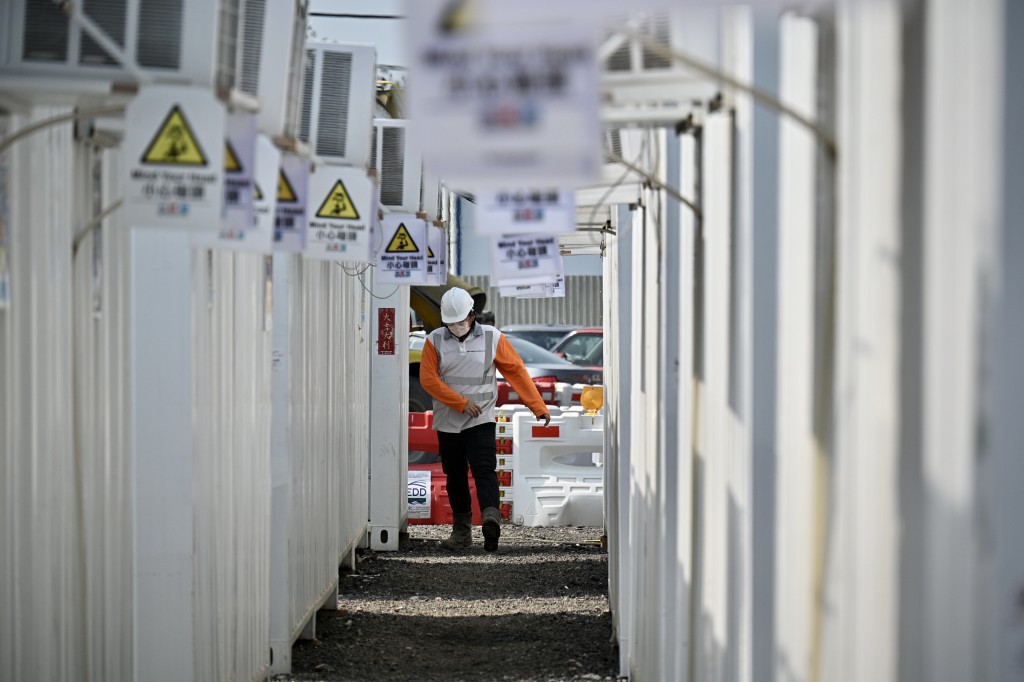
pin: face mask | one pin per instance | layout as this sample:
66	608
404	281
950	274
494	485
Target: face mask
459	328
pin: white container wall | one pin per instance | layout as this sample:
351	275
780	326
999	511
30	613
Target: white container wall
321	433
135	407
892	307
102	400
43	559
231	464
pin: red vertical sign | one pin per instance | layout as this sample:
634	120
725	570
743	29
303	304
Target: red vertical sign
386	331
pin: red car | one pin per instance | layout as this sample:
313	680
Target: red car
577	345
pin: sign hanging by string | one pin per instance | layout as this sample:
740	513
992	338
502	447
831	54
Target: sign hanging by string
556	290
493	106
522	211
174	146
524	259
402	258
290	218
239	167
258	233
437	254
338	214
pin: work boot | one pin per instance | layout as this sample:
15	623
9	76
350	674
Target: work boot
492	528
462	532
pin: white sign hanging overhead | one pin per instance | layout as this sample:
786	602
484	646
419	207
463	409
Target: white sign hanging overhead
338	214
437	254
402	258
268	169
523	211
292	190
258	235
524	259
556	290
494	106
239	169
174	158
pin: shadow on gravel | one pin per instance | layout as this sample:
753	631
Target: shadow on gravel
506	647
475	580
535	610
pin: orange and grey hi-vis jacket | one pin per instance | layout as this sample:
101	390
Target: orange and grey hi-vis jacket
456	372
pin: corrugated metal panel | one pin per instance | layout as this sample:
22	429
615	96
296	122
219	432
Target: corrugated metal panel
41	562
581	306
231	465
102	428
321	433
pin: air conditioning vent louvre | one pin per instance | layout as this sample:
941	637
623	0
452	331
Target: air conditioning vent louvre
335	90
621	59
296	80
227	45
338	102
613	143
252	45
373	147
110	15
399	164
392	167
306	111
659	30
45	35
159	40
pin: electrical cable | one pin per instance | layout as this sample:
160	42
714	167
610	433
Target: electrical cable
765	99
615	185
655	181
92	224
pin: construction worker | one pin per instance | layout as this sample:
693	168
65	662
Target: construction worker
457	368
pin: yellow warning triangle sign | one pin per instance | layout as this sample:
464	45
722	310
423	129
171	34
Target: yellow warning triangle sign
231	164
337	204
430	252
257	192
285	193
402	241
175	143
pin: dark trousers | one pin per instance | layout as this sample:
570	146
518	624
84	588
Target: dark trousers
471	449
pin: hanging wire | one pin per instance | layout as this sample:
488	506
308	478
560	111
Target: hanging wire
93	224
764	98
650	177
615	185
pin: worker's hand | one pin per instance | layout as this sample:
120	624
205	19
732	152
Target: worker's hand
546	417
472	409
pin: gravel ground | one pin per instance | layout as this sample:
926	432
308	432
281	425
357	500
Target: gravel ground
537	609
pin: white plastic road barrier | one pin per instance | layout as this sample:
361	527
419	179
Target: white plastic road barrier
558	480
569	395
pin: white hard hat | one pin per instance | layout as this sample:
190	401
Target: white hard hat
455	305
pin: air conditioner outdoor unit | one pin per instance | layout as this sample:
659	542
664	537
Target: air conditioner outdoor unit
201	42
281	66
635	73
338	102
398	164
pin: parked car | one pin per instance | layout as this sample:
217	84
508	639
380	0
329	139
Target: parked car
544	335
419	399
575	345
546	369
595	356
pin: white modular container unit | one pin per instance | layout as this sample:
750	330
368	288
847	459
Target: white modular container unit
321	441
231	464
45	563
853	312
136	512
